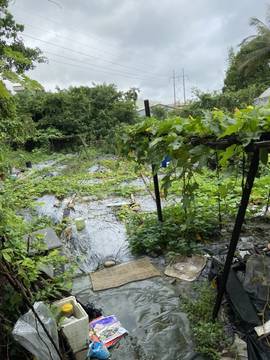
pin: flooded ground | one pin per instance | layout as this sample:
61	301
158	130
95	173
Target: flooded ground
149	309
94	233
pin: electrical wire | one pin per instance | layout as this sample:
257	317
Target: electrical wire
95	67
71	50
72	40
83	43
88	67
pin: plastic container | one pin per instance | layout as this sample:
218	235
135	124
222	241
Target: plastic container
77	329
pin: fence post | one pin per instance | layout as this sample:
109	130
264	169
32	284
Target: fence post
155	176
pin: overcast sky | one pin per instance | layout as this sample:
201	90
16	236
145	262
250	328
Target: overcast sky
136	43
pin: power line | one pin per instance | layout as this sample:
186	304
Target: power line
74	51
95	67
88	67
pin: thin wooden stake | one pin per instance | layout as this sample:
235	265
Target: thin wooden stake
253	168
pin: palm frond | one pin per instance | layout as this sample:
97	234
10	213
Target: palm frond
252	60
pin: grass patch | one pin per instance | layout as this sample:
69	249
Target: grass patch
210	338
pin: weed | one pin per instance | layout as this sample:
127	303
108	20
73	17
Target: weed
147	235
209	336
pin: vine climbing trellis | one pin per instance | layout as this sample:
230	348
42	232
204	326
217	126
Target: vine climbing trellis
190	142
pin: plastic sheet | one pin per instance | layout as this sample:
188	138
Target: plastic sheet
245	312
257	280
30	334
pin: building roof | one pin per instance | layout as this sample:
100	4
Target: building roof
265	94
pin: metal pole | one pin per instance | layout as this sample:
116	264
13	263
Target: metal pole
253	168
155	176
174	91
184	86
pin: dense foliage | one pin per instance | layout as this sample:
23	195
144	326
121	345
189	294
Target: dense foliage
90	112
228	101
257	46
238	78
187	141
151	139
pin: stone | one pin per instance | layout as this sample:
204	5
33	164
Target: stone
109	263
47	236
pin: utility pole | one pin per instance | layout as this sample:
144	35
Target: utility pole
184	85
174	91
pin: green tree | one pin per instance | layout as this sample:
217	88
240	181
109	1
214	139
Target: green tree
159	112
15	57
227	101
257	46
238	78
15	60
93	112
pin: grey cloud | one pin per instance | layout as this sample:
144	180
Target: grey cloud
136	42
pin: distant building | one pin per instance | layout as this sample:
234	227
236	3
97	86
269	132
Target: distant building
17	88
263	98
141	111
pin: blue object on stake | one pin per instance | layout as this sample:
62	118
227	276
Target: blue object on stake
165	162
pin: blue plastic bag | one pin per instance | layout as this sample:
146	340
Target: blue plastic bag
98	351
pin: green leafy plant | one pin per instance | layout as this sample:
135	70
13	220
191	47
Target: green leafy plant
147	235
210	338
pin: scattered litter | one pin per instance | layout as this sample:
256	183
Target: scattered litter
186	268
119	204
76	326
122	274
108	329
29	333
263	329
92	312
80	224
244	253
98	351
